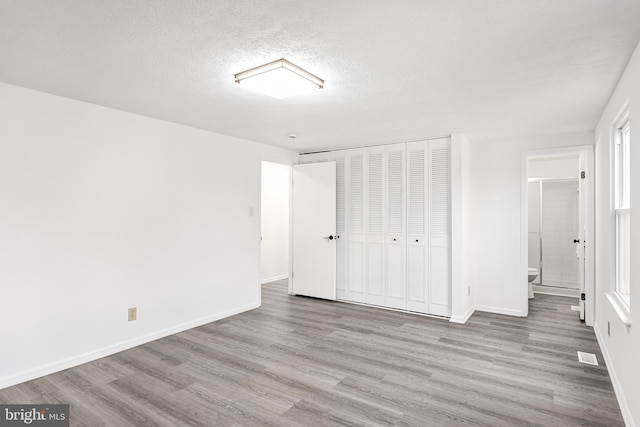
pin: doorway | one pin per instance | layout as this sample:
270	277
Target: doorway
275	222
557	227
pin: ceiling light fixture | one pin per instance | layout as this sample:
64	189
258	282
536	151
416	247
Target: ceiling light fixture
280	79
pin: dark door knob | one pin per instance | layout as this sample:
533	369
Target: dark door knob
576	240
329	237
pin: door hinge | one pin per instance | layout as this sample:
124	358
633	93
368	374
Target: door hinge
583	175
583	296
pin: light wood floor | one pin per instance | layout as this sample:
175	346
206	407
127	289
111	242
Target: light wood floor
302	362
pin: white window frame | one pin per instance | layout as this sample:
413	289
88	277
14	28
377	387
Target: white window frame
621	179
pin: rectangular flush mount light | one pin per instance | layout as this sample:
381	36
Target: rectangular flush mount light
280	79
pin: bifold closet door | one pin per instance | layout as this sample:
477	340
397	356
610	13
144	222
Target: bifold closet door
374	226
395	230
356	285
417	225
339	158
440	227
428	237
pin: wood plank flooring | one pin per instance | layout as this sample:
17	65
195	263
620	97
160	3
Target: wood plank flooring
302	362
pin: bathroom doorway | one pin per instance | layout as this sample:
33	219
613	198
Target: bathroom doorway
557	226
554	225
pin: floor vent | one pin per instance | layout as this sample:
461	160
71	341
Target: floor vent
588	358
575	307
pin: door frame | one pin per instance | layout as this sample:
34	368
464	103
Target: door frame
589	232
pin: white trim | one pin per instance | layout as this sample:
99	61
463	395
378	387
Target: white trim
274	278
70	362
426	138
543	179
524	236
622	402
463	319
620	308
552	290
291	213
500	310
621	120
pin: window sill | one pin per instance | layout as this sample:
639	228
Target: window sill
620	308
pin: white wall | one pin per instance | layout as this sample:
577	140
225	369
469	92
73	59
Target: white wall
462	298
554	168
274	259
496	182
622	347
101	210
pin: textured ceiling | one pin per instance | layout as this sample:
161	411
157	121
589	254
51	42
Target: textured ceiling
394	70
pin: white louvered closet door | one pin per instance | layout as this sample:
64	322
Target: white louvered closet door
395	231
417	223
440	227
374	226
341	220
356	285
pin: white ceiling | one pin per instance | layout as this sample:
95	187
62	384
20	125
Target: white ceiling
394	70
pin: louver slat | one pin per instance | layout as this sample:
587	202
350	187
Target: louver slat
395	199
357	192
416	193
340	193
440	190
375	193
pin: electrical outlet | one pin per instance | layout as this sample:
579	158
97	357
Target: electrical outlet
133	313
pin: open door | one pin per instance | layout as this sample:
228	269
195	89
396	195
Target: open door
314	230
581	239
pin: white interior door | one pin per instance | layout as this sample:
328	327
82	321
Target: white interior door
581	241
314	230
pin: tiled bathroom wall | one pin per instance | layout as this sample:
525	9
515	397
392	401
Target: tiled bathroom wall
560	226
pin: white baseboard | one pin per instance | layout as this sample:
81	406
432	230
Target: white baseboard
399	310
70	362
463	319
499	310
624	407
274	278
550	290
560	284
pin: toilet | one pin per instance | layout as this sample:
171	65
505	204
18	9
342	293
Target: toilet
533	273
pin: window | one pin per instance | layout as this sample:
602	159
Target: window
621	176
